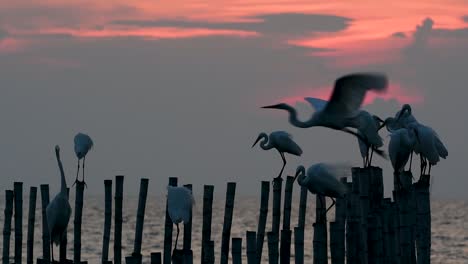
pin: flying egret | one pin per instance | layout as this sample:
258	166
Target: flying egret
179	205
58	211
364	148
83	143
343	109
282	142
322	179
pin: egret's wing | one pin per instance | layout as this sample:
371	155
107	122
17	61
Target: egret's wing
317	104
327	175
281	134
350	90
443	152
285	143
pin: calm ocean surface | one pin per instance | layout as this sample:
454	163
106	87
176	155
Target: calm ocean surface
449	227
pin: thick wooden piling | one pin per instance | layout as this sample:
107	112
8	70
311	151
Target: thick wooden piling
31	220
273	254
320	232
396	228
188	253
168	225
264	197
228	211
285	243
107	220
8	214
338	256
207	213
77	222
275	223
209	256
302	207
64	241
18	192
251	238
364	204
236	250
423	218
403	201
386	231
155	257
45	226
285	248
118	219
136	255
352	224
299	245
334	241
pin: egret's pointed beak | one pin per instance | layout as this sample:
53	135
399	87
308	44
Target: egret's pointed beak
256	141
275	106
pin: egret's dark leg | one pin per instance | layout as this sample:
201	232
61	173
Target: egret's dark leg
84	159
331	204
77	172
177	237
369	163
284	164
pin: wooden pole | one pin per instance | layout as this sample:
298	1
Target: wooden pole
302	207
77	222
64	241
423	228
155	257
251	247
209	257
339	228
364	201
118	200
18	191
207	212
45	226
228	211
31	220
275	227
352	224
7	226
188	253
168	225
320	232
396	228
236	250
285	243
273	255
372	246
299	245
334	241
264	197
285	248
140	219
107	220
403	198
386	233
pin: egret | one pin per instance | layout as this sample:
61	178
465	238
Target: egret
343	109
179	205
58	211
364	148
282	142
83	143
322	179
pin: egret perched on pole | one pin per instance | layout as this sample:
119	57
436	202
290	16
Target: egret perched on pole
179	205
58	211
366	150
83	143
343	109
282	142
322	179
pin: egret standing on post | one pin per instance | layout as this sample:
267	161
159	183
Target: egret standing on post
282	142
322	179
58	211
179	205
343	108
83	143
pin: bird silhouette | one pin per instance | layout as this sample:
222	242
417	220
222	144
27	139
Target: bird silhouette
179	206
58	211
282	142
83	143
373	122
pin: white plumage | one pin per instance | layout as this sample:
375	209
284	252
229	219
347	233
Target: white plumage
179	206
58	211
282	142
83	143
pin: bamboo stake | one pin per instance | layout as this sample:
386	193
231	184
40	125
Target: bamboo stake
285	243
31	219
285	249
118	199
45	226
265	193
277	186
334	237
320	232
302	207
209	257
188	253
64	241
155	257
7	225
236	250
18	192
207	213
140	218
299	245
424	220
168	225
107	220
228	211
272	247
251	247
77	222
352	224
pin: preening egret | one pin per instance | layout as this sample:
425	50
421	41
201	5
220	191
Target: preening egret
322	179
58	211
282	142
343	108
83	143
373	123
179	205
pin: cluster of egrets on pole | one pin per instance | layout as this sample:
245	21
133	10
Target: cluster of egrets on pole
343	112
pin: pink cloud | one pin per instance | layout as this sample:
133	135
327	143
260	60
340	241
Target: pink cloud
11	45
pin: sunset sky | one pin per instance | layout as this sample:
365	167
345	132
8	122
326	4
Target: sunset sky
174	88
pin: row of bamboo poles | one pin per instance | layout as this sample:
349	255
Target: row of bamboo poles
368	228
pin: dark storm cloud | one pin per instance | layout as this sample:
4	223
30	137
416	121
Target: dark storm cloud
285	23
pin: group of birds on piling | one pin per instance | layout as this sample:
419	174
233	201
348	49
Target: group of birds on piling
343	112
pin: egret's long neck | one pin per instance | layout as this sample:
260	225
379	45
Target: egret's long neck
63	182
265	143
295	121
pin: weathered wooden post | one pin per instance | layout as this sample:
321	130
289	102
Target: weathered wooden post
302	207
275	223
168	225
206	228
63	242
251	238
187	247
338	251
352	223
118	218
299	245
320	231
264	197
334	241
386	232
31	219
423	231
372	236
8	213
273	255
45	226
155	257
396	227
18	192
403	197
285	243
228	210
236	250
209	257
107	220
77	222
364	204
